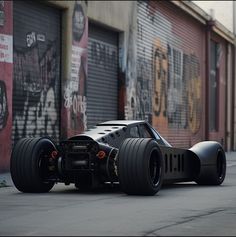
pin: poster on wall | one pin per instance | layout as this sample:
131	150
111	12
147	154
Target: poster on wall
6	48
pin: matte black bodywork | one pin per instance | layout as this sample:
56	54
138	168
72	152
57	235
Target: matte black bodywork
94	158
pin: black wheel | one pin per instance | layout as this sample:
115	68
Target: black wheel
29	164
216	174
140	166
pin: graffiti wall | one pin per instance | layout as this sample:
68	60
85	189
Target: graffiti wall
166	89
36	79
74	89
6	65
177	88
35	109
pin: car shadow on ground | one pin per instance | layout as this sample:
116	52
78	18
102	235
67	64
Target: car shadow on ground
108	189
115	189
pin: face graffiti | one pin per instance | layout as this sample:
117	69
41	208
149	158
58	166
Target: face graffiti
177	93
78	21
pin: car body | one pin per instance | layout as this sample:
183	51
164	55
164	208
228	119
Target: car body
130	153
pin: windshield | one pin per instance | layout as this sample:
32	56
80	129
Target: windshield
160	138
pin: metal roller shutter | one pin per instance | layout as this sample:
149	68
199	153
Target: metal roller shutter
170	50
36	86
102	83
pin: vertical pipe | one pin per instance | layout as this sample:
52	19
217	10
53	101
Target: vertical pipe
208	36
233	78
233	99
227	101
209	24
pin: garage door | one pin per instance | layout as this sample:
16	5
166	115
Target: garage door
36	88
102	83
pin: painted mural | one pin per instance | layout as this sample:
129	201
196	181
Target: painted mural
75	104
167	89
6	66
177	88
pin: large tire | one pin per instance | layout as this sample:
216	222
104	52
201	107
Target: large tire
216	175
140	166
28	165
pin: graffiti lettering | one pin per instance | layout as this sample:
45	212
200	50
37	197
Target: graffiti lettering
76	103
35	101
103	54
143	89
3	105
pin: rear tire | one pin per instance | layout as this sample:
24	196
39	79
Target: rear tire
140	166
29	164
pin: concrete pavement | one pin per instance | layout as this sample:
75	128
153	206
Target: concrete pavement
5	178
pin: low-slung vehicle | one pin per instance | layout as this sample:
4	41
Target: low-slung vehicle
129	153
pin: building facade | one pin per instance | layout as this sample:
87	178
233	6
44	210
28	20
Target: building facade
67	65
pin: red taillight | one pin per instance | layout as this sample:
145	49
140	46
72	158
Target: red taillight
101	155
54	154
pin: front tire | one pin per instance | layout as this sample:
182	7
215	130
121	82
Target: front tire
29	164
216	175
140	166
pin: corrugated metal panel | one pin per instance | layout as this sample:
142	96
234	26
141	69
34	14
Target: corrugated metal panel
170	71
36	88
102	82
218	134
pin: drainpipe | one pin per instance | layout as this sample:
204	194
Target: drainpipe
209	24
233	78
233	99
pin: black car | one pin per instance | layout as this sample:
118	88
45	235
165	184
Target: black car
131	154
